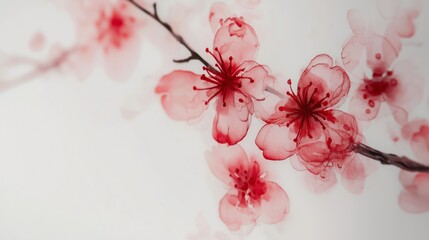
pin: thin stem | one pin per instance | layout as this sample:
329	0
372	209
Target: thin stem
275	92
194	55
39	69
390	159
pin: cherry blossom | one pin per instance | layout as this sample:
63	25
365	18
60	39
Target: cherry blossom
308	113
251	196
235	84
307	123
108	28
399	84
415	195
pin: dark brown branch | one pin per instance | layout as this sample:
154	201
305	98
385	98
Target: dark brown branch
390	159
194	55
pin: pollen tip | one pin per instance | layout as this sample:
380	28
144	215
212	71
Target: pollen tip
289	81
378	56
207	50
328	95
194	88
224	104
281	108
230	58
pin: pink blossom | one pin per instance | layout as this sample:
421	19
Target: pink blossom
398	84
251	196
306	123
309	113
110	29
415	195
234	84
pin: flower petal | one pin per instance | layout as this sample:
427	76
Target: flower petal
415	196
318	184
275	143
353	175
230	124
417	132
380	53
405	90
256	78
274	205
238	39
233	215
341	130
351	54
313	156
356	21
223	160
364	106
119	62
178	98
328	79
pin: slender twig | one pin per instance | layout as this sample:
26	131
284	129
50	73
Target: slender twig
39	69
194	55
275	92
390	159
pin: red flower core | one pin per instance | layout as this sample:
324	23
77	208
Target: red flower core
115	27
305	109
249	184
226	78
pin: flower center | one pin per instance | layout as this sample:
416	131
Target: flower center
306	109
224	79
249	184
380	82
115	27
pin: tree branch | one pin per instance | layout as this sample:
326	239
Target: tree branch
39	68
390	159
194	55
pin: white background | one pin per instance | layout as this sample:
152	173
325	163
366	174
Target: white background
72	167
